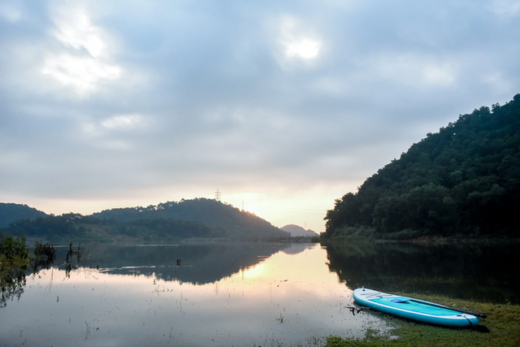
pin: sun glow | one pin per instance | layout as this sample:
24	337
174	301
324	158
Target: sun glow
296	41
304	48
254	209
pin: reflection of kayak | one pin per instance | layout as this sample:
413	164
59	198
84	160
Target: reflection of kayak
414	309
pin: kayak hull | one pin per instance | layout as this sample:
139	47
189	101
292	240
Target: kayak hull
409	308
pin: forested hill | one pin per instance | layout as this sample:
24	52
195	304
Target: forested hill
228	219
12	212
463	180
167	222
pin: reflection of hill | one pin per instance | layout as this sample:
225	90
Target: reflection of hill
200	264
295	248
470	271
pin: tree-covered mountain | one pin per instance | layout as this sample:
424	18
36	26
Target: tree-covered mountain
12	212
75	227
166	222
225	218
463	180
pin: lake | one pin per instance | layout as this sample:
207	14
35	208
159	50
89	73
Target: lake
239	294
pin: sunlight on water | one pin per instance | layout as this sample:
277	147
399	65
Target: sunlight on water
253	271
289	298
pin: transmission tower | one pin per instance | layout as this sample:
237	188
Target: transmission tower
217	195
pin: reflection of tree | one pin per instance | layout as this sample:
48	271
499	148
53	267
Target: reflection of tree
200	264
204	263
44	256
453	270
13	282
69	259
13	279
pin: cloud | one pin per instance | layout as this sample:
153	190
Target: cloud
84	61
506	8
10	12
74	29
153	101
412	69
82	74
122	121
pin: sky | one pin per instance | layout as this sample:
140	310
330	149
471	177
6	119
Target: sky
281	106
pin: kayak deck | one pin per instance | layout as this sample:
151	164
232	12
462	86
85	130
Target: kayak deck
414	309
414	306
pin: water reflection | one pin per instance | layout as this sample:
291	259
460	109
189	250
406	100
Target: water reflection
12	285
196	264
259	296
72	259
233	294
295	248
13	279
469	271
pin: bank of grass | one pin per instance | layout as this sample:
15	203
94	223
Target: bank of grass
502	320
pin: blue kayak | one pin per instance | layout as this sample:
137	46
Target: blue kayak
418	310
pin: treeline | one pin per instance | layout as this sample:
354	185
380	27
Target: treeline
215	214
74	226
10	212
463	180
197	218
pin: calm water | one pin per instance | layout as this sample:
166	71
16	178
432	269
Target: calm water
483	272
238	294
221	295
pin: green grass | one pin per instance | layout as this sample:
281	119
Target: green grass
503	322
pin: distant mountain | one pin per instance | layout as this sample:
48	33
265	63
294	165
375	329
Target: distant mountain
296	230
12	212
230	221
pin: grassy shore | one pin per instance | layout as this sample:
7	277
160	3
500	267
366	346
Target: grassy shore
503	322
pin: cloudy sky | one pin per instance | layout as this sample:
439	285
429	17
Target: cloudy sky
283	106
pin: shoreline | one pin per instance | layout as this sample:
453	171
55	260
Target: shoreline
503	321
